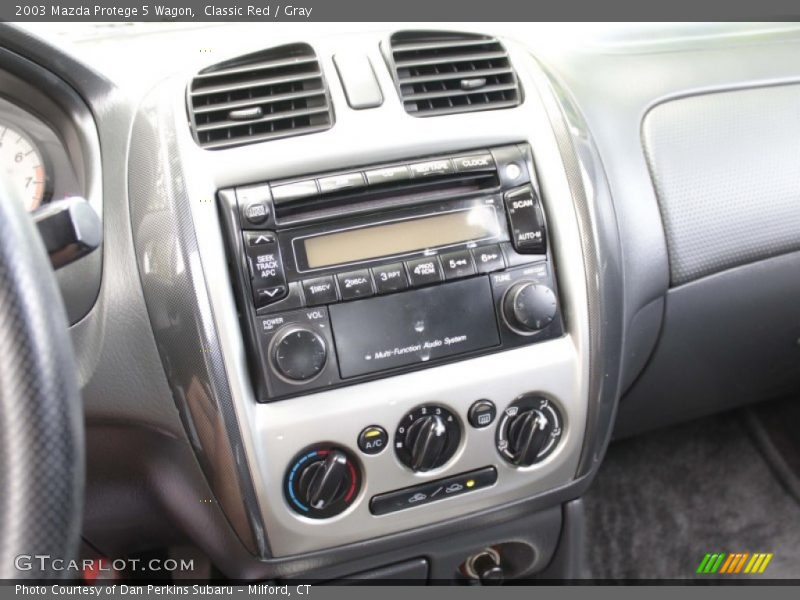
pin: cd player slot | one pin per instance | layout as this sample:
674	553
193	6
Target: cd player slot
382	197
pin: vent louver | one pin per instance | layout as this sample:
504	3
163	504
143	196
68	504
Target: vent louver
277	93
444	73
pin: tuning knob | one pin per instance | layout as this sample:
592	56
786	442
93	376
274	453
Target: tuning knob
322	483
427	438
528	431
529	306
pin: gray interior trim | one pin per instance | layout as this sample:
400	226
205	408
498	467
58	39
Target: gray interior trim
181	316
602	262
726	168
728	339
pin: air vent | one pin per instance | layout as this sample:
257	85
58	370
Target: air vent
268	95
445	73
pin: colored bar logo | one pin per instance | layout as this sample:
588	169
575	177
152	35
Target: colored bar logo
734	563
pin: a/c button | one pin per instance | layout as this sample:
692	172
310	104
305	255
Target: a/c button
373	439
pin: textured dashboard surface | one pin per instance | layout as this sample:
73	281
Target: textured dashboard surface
726	169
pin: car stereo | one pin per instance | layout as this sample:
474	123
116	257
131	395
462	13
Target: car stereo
373	271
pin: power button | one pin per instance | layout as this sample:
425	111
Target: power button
373	440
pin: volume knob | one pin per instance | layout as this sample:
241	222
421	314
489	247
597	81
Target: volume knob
298	353
529	306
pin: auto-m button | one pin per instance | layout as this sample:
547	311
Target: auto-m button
527	221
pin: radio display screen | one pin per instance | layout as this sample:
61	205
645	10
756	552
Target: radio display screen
401	237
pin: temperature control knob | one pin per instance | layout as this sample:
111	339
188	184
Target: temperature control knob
322	482
427	438
529	306
298	353
528	431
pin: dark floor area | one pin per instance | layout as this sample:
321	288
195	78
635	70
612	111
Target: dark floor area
661	501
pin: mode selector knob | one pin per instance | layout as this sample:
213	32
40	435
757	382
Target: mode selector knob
528	433
427	438
298	353
529	430
529	306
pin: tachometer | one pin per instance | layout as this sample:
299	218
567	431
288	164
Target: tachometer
22	167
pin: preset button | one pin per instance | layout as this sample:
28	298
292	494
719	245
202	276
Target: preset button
424	271
488	258
320	290
458	264
355	284
390	278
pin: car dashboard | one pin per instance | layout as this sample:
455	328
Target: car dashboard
377	301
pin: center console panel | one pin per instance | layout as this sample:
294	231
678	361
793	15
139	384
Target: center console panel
407	270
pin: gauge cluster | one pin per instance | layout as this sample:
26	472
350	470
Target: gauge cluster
49	151
35	167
